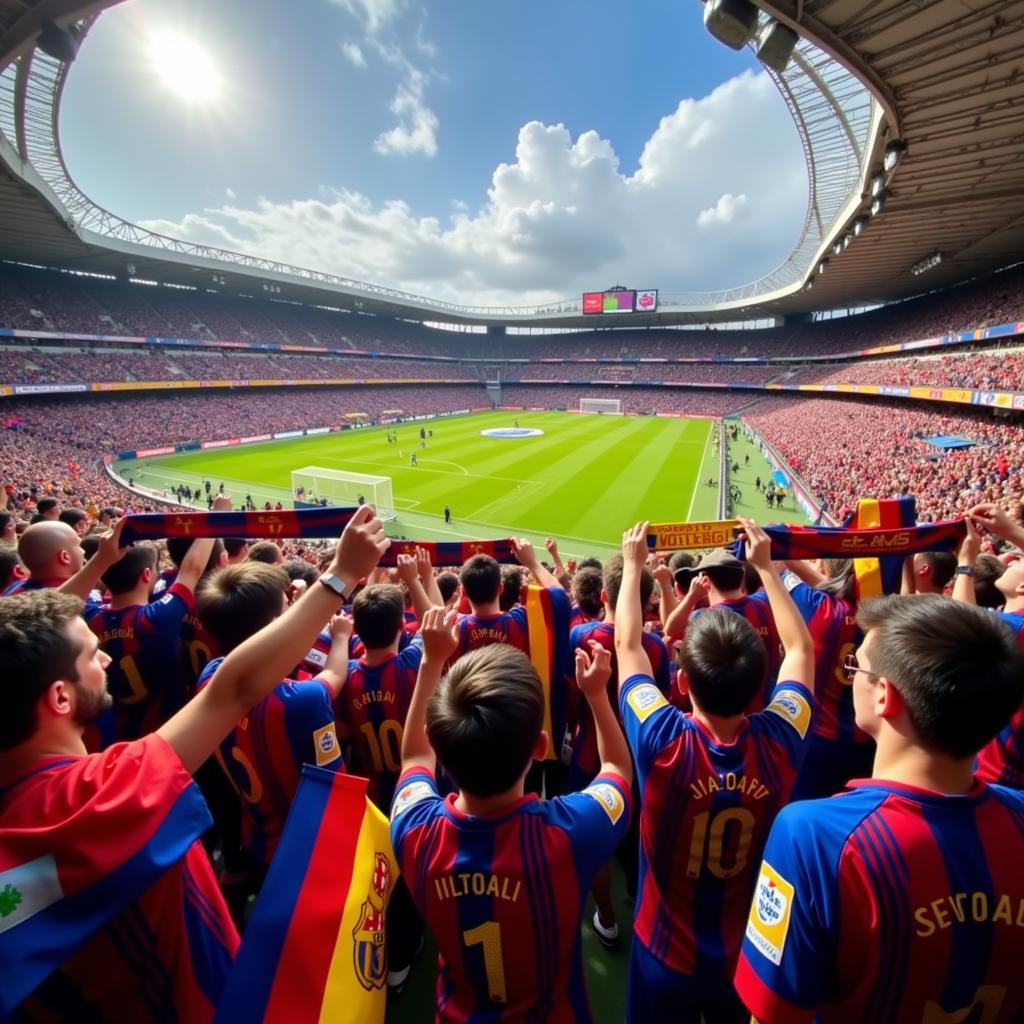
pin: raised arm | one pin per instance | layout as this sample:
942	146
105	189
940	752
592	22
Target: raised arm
335	671
797	645
667	600
806	572
996	520
427	578
440	632
629	616
107	554
593	670
409	575
966	560
255	667
193	565
679	619
556	560
527	558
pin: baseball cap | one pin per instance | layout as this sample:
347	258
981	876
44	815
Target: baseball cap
721	566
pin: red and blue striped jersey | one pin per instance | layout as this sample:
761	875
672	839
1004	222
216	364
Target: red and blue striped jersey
116	911
757	611
263	755
371	711
889	904
92	602
503	895
1002	760
706	808
198	648
144	676
586	762
832	623
476	631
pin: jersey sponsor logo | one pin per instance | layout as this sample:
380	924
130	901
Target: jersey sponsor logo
609	798
411	794
27	889
166	599
770	912
794	708
316	657
645	699
325	741
369	958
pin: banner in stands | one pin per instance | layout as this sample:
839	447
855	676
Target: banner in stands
255	438
215	444
147	453
48	389
691	536
287	433
317	430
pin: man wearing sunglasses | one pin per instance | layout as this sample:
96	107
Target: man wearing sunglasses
901	899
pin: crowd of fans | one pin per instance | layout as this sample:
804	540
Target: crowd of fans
846	449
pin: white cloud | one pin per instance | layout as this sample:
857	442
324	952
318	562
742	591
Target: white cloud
416	131
562	217
724	211
230	193
353	54
374	14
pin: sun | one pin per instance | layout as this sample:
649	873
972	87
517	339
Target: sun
185	68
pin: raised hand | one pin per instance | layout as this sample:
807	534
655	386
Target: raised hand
757	543
440	632
593	668
360	546
634	545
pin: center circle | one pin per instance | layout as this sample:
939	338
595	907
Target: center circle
512	433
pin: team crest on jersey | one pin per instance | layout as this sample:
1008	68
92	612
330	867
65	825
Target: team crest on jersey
316	657
609	798
325	742
369	957
645	699
770	912
411	794
793	707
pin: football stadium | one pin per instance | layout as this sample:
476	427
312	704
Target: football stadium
512	512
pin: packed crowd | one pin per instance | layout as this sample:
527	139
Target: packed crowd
864	447
521	726
47	300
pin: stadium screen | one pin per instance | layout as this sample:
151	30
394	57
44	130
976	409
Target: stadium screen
623	301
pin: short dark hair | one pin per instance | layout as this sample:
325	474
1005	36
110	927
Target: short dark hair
265	551
124	574
957	667
5	518
590	562
46	504
586	591
71	516
9	561
300	569
239	600
682	560
480	578
177	549
233	545
942	564
511	587
724	660
35	651
987	569
612	581
448	584
378	613
484	719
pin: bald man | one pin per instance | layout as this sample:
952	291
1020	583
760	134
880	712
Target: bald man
51	553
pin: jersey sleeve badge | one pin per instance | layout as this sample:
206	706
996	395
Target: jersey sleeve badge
770	912
411	793
609	798
325	742
794	708
644	700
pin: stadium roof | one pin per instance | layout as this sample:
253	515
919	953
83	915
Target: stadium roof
945	80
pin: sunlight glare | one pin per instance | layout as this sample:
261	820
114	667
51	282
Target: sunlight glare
185	67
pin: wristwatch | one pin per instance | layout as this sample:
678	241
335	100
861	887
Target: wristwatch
965	570
335	583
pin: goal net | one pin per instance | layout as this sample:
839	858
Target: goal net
340	487
609	406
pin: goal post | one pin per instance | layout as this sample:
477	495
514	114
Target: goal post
608	406
341	487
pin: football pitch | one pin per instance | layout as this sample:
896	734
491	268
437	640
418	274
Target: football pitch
582	480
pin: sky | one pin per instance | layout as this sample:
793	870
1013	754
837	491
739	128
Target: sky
487	152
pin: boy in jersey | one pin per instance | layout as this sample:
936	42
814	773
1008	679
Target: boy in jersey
501	877
902	898
711	783
262	754
142	637
119	916
371	712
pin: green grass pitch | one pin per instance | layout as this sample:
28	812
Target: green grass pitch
582	481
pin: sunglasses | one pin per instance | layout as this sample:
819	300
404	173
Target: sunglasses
851	667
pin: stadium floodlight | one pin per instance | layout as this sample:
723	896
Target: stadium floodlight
775	44
732	22
847	239
859	225
810	284
837	248
894	153
823	265
877	184
878	204
340	487
923	266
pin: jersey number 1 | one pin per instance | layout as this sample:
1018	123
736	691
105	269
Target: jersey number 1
488	935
